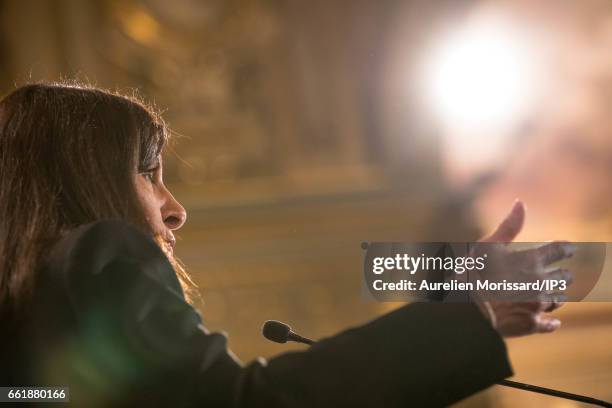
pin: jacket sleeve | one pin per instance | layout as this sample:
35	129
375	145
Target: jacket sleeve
140	335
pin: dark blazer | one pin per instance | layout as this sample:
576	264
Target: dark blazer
110	321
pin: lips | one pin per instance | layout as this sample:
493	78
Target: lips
170	244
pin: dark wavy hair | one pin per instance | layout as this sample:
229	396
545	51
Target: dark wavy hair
68	155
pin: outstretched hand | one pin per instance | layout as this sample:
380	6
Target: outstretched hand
515	318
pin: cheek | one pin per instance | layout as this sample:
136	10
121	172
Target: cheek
149	202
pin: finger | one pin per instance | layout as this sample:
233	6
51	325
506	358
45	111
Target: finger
549	307
555	297
546	324
552	252
511	226
560	274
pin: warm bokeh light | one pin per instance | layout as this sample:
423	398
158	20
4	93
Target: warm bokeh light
481	77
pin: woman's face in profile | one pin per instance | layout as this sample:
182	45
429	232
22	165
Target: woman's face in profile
164	214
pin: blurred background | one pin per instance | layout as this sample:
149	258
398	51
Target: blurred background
303	128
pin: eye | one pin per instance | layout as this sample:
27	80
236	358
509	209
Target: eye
150	174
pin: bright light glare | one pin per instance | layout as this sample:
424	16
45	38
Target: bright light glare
481	77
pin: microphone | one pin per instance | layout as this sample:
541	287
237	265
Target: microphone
280	332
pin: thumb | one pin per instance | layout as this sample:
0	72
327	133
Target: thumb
511	226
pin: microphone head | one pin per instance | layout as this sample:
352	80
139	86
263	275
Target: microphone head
276	331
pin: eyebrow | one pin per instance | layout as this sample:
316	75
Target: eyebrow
151	165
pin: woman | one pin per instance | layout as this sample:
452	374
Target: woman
91	296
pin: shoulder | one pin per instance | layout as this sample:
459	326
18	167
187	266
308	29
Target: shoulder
125	305
94	249
97	242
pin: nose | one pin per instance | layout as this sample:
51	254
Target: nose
173	213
